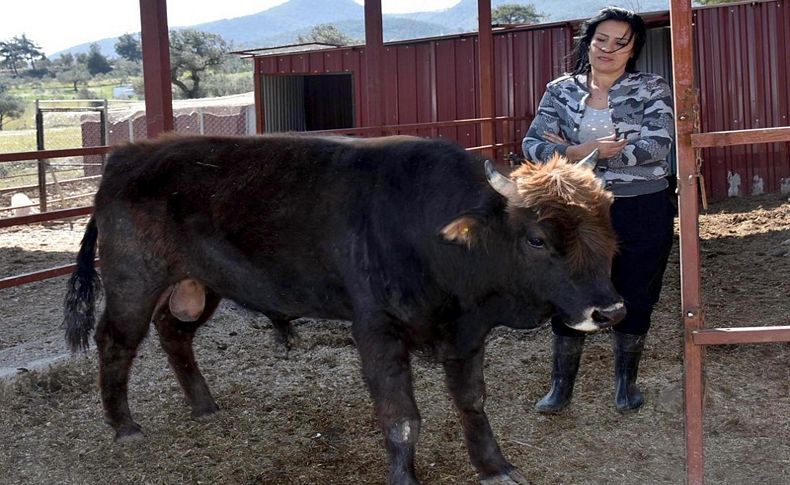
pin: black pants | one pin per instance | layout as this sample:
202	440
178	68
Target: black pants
644	230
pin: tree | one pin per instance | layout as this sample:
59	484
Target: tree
128	47
13	57
513	13
77	73
192	53
326	34
10	106
29	49
18	52
96	62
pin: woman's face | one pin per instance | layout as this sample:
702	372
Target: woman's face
611	46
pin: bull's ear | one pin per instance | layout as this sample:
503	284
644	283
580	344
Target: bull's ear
463	230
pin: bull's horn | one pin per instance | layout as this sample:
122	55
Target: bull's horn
499	182
590	160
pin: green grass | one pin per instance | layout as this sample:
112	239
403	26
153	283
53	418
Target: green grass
15	174
51	90
25	140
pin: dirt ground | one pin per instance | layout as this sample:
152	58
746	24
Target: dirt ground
307	418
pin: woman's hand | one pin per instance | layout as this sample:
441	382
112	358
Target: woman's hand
554	138
607	146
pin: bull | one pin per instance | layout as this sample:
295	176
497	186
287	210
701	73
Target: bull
418	243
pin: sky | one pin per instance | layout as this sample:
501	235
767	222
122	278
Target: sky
55	25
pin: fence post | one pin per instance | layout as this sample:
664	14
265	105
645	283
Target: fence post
42	164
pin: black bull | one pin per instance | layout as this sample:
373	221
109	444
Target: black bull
417	242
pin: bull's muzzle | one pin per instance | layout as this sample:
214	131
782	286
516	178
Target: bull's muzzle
598	318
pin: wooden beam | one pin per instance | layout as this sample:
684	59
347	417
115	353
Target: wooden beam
740	137
156	67
374	52
741	335
688	212
485	46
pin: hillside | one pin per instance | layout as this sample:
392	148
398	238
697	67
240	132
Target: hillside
282	24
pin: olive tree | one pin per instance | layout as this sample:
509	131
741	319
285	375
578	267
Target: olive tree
192	54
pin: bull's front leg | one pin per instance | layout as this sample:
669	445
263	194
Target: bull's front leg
387	373
467	387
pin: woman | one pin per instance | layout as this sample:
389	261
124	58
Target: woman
605	104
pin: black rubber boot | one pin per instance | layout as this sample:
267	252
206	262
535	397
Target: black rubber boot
627	354
567	353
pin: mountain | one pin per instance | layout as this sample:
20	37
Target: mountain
282	24
463	16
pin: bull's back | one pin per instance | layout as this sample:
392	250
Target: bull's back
285	181
276	219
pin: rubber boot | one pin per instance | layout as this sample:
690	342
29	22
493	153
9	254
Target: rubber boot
567	353
627	354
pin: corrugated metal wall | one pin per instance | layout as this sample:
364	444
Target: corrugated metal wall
744	77
437	79
283	97
743	71
526	61
285	66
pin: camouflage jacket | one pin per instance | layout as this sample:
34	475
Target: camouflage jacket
641	109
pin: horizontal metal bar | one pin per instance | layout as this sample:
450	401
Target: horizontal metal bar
35	186
65	152
46	216
740	137
413	126
742	335
36	276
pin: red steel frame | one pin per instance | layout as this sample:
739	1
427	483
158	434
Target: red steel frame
696	335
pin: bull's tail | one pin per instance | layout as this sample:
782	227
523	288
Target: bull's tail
79	306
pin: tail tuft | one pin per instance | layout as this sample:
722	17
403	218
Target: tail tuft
79	305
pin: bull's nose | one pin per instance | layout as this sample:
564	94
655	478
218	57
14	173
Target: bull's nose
611	315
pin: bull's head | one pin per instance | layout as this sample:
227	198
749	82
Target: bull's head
558	231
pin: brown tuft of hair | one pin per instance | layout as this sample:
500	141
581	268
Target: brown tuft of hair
574	198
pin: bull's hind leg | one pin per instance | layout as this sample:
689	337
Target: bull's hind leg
176	339
285	336
118	335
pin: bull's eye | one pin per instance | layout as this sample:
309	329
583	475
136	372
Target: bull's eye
536	242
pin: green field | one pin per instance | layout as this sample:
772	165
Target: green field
50	90
14	174
25	140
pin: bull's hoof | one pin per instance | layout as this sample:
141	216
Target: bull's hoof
128	434
513	477
206	412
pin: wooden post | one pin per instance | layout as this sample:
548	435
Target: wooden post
374	51
688	210
42	163
156	67
485	46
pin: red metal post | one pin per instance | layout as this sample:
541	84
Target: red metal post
374	52
485	46
257	79
156	67
686	110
